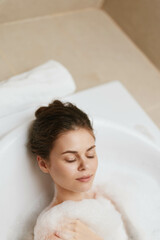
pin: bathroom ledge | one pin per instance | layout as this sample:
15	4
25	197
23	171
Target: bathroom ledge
90	45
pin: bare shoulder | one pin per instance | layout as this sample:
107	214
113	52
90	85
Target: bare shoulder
99	190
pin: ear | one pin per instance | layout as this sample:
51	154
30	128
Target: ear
42	164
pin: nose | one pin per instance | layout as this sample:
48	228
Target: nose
83	165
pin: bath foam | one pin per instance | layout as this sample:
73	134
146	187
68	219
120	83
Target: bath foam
99	214
134	207
136	195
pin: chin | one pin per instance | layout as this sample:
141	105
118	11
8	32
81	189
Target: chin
86	187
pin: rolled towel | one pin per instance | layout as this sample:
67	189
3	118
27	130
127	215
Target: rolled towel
35	87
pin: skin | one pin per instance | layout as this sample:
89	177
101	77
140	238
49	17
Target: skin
64	174
75	230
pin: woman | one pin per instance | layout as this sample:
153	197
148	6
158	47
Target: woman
63	140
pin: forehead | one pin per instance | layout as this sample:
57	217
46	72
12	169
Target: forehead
74	139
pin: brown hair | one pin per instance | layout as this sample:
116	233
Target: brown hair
52	121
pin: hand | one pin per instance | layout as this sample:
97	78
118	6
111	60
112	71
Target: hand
76	230
54	236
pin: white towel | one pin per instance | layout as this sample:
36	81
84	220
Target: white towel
21	95
40	85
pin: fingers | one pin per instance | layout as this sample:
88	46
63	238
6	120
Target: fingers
72	225
66	229
53	237
67	220
56	238
69	228
67	224
67	235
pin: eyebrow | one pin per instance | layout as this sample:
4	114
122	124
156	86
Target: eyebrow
70	151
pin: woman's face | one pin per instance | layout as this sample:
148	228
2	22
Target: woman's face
73	156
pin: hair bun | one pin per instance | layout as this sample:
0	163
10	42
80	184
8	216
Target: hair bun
56	104
40	111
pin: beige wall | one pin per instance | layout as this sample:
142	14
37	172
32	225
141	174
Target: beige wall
12	10
140	19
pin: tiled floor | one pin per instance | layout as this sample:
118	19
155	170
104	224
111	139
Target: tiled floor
90	45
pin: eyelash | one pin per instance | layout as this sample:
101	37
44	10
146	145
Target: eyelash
75	159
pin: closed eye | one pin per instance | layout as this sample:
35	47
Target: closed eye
71	160
75	159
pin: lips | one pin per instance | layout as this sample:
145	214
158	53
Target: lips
84	177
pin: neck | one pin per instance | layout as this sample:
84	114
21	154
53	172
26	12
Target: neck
62	195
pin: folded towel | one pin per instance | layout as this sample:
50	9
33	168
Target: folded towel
35	87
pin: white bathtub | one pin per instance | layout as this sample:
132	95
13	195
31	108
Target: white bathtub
25	190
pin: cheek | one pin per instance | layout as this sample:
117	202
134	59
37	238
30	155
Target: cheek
64	170
95	164
69	169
